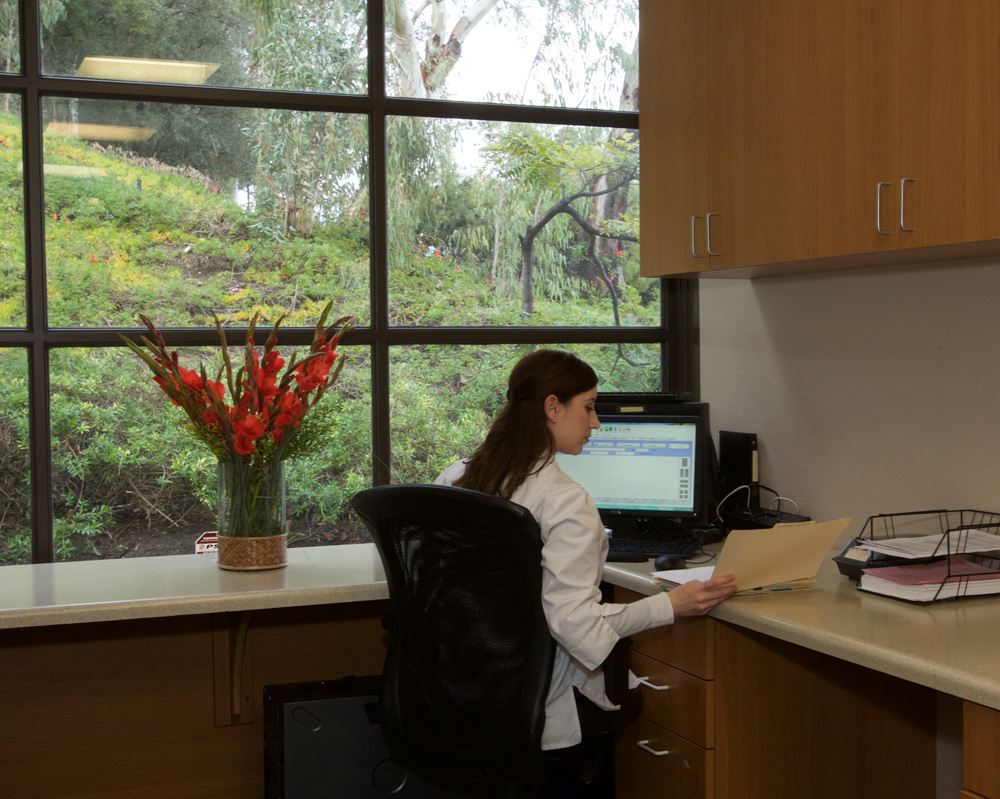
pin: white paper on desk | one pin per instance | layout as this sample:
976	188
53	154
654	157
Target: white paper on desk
681	576
779	554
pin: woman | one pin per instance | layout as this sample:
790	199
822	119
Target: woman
550	409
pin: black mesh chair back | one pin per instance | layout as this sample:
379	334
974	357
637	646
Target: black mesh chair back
469	656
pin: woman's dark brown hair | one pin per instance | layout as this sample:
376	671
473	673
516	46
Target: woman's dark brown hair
519	436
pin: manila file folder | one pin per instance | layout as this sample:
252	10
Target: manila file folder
783	554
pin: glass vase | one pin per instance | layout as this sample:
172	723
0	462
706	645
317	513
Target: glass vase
251	511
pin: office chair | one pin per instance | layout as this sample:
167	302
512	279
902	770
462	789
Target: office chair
469	656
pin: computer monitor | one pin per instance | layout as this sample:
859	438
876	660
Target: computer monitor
651	467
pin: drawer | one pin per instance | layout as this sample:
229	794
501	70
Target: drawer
686	771
684	704
688	644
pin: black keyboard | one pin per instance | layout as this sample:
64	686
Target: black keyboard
636	550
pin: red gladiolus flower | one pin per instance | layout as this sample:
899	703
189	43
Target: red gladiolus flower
245	432
191	379
266	408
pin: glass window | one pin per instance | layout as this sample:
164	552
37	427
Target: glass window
467	190
129	484
528	224
15	472
445	398
12	266
319	46
10	45
180	212
576	54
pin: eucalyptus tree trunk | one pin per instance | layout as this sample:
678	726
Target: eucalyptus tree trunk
425	77
613	205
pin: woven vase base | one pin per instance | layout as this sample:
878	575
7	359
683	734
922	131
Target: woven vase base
252	554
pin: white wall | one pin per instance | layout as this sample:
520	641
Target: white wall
874	391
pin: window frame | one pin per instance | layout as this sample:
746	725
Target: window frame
677	332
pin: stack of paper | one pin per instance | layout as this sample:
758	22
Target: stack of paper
781	558
964	541
926	582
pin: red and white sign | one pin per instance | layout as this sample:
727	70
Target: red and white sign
206	543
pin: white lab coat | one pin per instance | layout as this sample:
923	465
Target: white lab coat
574	549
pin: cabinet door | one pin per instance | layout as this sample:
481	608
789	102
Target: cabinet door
951	121
981	756
804	119
673	126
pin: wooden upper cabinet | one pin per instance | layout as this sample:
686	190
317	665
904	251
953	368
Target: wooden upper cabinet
804	125
951	121
825	134
673	135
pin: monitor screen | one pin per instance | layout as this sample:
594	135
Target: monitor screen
644	465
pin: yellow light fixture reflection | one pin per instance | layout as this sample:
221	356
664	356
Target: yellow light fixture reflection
71	170
82	130
146	70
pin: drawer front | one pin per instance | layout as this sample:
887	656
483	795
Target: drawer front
686	771
676	700
687	644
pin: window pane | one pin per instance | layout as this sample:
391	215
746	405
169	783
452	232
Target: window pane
15	475
319	45
180	212
12	264
130	481
471	203
10	43
577	54
443	399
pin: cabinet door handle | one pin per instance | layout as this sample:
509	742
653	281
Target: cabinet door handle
878	208
645	681
694	249
708	233
644	745
902	204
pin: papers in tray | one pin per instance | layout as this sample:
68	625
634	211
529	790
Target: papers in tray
781	558
964	541
926	582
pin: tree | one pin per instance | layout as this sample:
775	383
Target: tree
563	174
609	205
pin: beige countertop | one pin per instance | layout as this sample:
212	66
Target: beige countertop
182	585
950	646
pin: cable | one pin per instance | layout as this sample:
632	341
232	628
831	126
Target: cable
748	487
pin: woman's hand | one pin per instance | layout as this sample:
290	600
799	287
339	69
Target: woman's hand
696	598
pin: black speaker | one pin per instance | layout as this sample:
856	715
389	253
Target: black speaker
323	740
738	467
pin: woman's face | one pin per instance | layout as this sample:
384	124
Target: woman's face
571	423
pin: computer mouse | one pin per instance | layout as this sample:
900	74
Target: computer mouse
667	562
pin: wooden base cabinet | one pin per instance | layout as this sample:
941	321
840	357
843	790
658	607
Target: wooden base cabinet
745	716
981	752
671	746
164	707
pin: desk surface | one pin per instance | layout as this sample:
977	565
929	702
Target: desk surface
949	646
181	585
